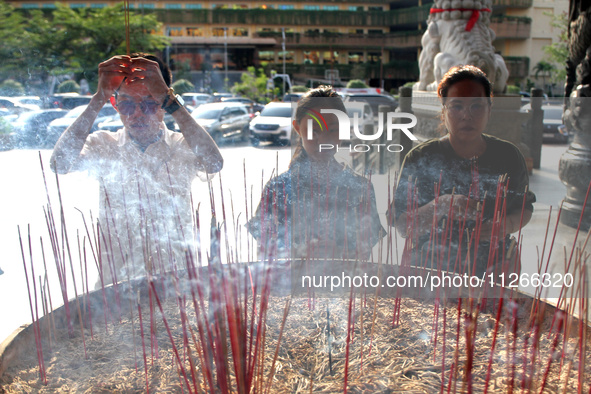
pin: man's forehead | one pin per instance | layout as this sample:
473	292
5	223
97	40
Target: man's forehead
134	91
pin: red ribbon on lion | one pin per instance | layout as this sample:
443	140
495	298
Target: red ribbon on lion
473	18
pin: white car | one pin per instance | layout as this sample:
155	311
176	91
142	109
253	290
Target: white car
272	124
194	100
365	115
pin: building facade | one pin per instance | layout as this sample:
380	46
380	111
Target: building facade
325	41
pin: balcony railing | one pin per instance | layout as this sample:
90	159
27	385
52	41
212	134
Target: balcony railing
409	39
513	3
394	70
511	27
375	19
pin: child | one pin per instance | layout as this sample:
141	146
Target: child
318	208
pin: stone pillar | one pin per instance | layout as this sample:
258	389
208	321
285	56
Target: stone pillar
537	126
574	169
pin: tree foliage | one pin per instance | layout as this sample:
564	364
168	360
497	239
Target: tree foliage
545	70
356	84
299	89
557	52
253	84
66	40
10	87
69	86
183	86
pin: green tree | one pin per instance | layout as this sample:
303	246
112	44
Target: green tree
557	52
68	40
544	69
10	87
12	30
183	70
299	89
68	86
183	86
253	84
356	84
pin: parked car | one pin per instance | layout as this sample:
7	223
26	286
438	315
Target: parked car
251	105
526	97
365	115
8	116
272	124
223	121
114	123
554	128
292	97
58	126
68	100
194	100
374	100
31	100
217	97
30	129
15	106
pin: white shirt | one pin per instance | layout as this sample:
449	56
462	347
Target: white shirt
145	201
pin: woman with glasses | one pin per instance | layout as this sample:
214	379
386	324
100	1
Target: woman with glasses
145	171
460	196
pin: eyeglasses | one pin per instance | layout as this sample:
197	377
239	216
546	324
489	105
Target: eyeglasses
128	107
476	108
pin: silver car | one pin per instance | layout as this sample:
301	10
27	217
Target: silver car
223	121
58	126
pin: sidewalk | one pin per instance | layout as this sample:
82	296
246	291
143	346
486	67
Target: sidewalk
549	193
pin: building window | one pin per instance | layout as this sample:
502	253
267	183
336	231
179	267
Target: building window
312	7
375	8
355	8
329	57
193	6
288	56
355	31
72	5
330	7
147	6
98	5
267	56
374	57
311	57
194	32
30	5
239	32
174	32
355	57
285	7
312	32
375	32
230	7
218	31
50	6
173	6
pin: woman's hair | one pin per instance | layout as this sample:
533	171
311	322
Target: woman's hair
462	73
314	99
458	74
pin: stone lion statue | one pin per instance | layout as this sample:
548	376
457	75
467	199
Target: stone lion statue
458	33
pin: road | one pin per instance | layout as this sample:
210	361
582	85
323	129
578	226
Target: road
24	198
